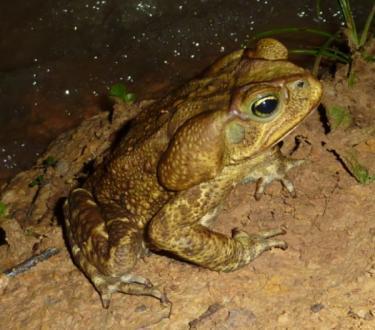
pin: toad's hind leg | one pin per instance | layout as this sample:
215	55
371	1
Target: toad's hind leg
105	251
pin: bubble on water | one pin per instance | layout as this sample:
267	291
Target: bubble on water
8	161
146	7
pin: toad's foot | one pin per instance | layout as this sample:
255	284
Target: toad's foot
277	171
256	244
128	284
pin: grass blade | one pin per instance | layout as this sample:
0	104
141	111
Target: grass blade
319	56
367	27
329	53
349	21
273	32
318	8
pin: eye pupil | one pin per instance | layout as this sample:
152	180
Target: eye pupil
265	106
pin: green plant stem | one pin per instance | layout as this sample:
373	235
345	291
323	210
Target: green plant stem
366	28
291	30
330	53
318	8
320	56
349	21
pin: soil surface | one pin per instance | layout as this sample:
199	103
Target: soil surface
324	280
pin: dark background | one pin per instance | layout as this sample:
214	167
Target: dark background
59	58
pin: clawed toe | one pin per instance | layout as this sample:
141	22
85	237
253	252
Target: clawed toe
106	299
289	186
271	233
128	284
285	181
281	175
277	244
256	244
268	243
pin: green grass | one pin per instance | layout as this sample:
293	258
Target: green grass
357	40
50	161
3	209
330	49
273	32
352	79
338	117
360	172
119	90
38	181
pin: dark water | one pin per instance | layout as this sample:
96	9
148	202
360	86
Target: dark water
59	58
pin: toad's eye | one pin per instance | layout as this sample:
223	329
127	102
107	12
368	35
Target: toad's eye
265	106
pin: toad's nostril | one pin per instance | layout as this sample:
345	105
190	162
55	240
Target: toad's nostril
300	84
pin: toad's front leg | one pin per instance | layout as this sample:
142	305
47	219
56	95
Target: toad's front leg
177	229
273	166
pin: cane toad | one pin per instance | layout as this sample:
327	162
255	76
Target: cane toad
168	177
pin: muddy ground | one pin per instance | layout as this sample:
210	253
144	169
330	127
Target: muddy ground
325	280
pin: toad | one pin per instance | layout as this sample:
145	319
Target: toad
166	180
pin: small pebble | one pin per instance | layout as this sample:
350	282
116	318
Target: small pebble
316	308
140	308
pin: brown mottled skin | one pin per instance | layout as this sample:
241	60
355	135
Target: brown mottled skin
170	174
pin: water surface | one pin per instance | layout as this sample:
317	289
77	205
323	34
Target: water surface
59	58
